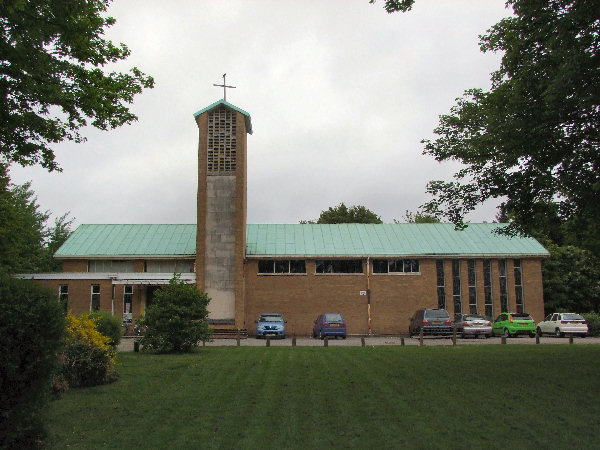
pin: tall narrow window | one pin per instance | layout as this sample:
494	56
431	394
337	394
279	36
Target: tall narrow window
95	301
441	284
456	286
472	280
503	285
487	289
63	295
127	304
519	286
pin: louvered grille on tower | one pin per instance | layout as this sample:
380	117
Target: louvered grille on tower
221	156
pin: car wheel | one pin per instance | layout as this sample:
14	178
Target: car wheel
283	336
507	333
557	333
539	331
532	334
344	337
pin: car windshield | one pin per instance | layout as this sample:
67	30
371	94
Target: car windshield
437	314
521	316
572	317
333	318
270	318
473	317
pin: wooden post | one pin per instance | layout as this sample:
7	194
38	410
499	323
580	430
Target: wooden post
454	336
421	337
362	341
268	339
571	339
136	346
238	338
503	339
537	339
326	341
402	342
294	341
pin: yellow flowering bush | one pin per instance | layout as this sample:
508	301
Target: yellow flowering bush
88	356
85	329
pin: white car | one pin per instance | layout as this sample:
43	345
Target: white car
561	324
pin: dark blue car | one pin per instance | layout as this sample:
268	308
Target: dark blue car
330	324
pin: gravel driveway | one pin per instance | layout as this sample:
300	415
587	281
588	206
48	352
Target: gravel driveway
127	342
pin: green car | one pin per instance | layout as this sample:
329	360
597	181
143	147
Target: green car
513	324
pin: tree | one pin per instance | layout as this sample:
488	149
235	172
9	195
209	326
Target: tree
420	217
396	5
26	242
342	214
53	78
533	138
176	319
571	280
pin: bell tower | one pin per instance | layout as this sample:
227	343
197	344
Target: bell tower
221	210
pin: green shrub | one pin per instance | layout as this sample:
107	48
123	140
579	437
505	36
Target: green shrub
87	365
109	326
176	319
593	321
31	331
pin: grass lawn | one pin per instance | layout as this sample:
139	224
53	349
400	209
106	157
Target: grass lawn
493	396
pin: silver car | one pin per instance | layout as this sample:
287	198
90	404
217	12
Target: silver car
472	325
560	324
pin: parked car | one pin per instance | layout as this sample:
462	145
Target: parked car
560	324
330	324
431	321
270	324
472	325
513	324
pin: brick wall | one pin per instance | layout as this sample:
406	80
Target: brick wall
394	297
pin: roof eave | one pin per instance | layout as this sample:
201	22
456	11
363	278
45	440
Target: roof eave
212	106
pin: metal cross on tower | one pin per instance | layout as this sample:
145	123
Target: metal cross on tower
224	86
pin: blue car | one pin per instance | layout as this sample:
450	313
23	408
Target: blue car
330	324
270	324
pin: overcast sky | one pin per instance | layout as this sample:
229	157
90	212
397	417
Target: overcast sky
340	94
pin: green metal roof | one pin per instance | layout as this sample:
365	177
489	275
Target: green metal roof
295	240
402	239
130	240
231	106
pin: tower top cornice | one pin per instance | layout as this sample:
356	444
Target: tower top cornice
230	106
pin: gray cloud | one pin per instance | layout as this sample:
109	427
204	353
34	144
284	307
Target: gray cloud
340	95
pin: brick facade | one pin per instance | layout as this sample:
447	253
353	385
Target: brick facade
394	297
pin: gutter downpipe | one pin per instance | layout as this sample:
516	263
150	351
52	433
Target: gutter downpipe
368	297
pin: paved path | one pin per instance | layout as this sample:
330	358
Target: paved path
127	342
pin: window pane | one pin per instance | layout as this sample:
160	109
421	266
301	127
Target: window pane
266	266
415	265
380	266
439	265
396	265
298	266
282	266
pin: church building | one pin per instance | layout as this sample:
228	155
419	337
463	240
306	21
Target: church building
375	275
